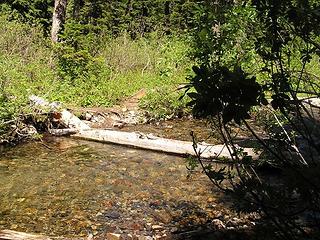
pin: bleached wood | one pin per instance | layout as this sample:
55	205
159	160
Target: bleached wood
63	132
133	139
313	102
156	143
72	121
58	18
67	118
14	235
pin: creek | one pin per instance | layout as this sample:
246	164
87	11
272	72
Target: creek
67	187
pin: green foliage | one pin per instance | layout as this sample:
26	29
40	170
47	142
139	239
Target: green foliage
286	43
37	12
138	18
85	69
219	90
135	17
163	55
73	65
225	33
162	103
101	77
24	70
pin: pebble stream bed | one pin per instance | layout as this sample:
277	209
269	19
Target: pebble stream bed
74	188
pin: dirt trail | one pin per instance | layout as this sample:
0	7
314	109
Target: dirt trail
126	113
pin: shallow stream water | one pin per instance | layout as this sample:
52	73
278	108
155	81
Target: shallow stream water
67	187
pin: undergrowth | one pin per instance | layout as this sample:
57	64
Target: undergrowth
93	70
30	64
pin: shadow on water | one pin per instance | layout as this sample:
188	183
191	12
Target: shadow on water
69	187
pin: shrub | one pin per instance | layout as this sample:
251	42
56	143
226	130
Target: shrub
287	41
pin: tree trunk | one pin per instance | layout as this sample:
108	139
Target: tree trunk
59	14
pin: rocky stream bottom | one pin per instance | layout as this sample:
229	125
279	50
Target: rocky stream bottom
79	189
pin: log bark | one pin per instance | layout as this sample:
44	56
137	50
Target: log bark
154	143
58	18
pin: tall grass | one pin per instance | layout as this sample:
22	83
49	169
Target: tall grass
122	67
24	66
29	64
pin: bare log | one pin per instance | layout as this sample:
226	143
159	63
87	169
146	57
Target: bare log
67	118
312	102
151	142
72	121
133	139
63	132
14	235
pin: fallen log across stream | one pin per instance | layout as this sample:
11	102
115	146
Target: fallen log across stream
150	142
78	129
